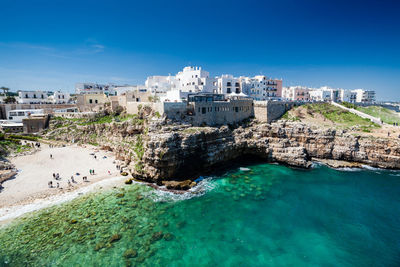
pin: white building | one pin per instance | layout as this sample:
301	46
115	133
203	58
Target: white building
296	93
60	98
33	97
261	87
94	88
348	96
320	95
227	84
195	80
160	84
18	115
364	96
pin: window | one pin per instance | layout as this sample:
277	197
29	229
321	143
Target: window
42	96
228	90
13	113
21	113
228	84
95	101
203	110
34	95
26	96
90	101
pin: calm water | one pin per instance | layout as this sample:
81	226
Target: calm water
269	216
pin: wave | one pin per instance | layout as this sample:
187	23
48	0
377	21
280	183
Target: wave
206	185
348	169
371	168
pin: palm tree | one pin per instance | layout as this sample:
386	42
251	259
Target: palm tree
5	90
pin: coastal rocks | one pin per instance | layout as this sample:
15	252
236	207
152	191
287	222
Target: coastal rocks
338	163
7	171
179	185
173	155
190	152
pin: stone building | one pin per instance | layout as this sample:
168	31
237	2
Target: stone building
214	109
35	124
91	102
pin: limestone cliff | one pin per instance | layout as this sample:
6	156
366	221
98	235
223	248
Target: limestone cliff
157	151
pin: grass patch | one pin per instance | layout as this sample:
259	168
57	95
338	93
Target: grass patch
341	118
386	115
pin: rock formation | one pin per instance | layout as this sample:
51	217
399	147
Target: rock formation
157	152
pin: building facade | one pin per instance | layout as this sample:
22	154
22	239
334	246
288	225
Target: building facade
261	87
214	109
296	93
33	97
227	84
94	88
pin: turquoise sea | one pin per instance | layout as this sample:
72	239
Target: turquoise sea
269	215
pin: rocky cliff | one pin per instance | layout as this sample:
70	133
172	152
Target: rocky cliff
156	151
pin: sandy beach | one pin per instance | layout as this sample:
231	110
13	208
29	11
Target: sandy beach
35	171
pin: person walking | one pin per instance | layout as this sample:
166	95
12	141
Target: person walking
51	156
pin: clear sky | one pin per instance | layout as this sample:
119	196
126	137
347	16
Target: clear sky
51	45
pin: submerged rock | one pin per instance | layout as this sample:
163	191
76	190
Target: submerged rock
168	237
115	238
156	236
130	253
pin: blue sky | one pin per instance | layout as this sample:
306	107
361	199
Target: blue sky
51	45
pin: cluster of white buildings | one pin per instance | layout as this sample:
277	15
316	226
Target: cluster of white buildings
301	93
192	80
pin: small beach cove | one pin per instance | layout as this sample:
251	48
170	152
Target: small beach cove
29	190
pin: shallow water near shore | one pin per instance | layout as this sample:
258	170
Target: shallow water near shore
269	215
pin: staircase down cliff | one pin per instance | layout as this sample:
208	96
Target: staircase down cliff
155	152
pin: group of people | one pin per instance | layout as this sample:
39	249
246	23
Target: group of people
56	176
50	184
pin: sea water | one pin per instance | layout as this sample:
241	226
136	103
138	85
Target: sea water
261	215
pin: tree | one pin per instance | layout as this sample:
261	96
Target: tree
10	99
5	90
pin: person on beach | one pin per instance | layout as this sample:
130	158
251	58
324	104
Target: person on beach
109	172
50	184
51	156
72	179
95	157
54	175
58	185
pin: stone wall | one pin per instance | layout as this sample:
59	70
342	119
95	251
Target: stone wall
268	111
35	125
221	112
